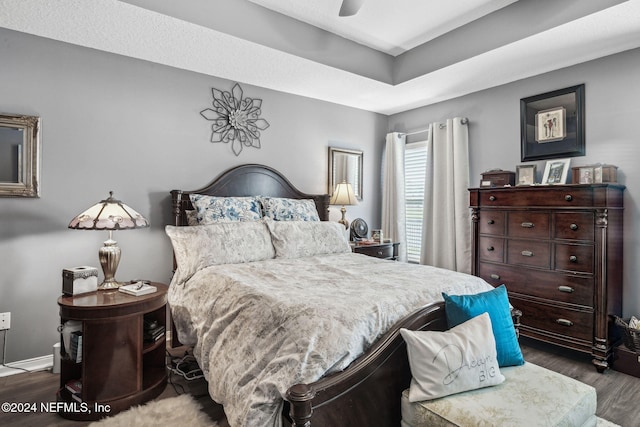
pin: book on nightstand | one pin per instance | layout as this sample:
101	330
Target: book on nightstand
137	289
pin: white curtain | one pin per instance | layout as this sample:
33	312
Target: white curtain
446	227
393	204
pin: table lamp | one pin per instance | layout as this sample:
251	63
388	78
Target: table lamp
109	214
343	195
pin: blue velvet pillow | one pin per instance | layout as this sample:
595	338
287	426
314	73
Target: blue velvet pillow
460	308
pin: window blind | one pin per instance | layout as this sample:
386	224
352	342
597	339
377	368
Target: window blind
415	163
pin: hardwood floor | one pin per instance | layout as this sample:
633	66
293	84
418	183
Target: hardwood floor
618	393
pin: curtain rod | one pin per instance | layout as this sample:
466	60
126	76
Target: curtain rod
463	121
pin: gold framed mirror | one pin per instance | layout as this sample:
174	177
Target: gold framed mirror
19	156
345	165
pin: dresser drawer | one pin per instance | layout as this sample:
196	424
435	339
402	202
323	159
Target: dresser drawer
574	226
559	320
378	251
537	196
529	225
492	222
567	288
491	248
529	252
574	257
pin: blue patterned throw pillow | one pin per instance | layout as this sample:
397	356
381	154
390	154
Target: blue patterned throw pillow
282	209
460	308
211	209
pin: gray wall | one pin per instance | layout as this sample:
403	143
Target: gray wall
612	108
115	123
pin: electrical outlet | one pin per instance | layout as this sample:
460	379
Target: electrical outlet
5	321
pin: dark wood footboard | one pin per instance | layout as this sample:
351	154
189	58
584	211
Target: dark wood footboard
368	392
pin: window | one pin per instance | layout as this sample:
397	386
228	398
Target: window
415	162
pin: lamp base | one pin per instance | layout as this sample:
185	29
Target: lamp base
343	220
109	256
105	286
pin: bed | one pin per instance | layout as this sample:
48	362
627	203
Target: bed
324	385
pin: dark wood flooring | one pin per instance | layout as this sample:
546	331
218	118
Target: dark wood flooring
618	393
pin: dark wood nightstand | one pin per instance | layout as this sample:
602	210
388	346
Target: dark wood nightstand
380	250
118	367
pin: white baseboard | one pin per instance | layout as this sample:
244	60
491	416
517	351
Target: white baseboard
31	365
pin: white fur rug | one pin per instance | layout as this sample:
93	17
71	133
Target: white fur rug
172	411
182	410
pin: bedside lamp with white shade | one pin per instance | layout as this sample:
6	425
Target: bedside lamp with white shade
109	214
343	195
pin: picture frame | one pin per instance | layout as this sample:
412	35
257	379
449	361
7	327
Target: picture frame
556	172
552	124
526	174
587	175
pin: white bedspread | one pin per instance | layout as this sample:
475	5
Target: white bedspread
260	327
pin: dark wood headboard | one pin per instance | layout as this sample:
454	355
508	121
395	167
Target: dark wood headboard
247	180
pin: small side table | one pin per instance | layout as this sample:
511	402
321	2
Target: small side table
380	250
118	368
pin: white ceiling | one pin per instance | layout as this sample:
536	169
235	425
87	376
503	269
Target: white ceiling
392	27
165	36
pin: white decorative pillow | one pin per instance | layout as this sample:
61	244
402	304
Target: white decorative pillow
460	359
223	243
282	209
295	239
212	209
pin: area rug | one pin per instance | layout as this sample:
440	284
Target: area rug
172	411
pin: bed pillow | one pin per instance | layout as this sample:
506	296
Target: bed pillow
192	217
460	308
295	239
202	246
460	359
212	209
281	209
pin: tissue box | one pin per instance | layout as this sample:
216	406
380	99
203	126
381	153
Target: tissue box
79	280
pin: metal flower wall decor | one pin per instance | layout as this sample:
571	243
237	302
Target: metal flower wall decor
235	119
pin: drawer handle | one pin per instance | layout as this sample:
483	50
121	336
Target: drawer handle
527	225
564	322
526	253
568	197
573	258
567	289
574	227
491	249
492	198
491	222
495	276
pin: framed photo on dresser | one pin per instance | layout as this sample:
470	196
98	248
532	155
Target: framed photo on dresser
556	172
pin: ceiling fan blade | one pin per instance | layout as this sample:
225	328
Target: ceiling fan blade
350	7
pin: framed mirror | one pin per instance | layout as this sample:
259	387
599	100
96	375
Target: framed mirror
19	156
345	165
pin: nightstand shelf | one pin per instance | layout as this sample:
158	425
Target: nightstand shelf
380	250
118	368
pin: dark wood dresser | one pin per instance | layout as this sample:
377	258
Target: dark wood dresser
558	250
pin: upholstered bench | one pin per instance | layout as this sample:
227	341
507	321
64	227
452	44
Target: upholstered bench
529	396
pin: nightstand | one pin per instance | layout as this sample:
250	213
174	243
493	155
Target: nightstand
116	365
380	250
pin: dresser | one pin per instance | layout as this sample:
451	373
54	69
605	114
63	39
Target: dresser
558	250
